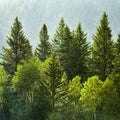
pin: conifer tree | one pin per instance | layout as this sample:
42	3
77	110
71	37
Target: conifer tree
55	80
44	48
115	76
19	48
61	44
102	49
78	53
64	50
117	55
58	37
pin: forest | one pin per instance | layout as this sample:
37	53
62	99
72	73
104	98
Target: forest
63	78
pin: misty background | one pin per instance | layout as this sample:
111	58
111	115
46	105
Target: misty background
33	13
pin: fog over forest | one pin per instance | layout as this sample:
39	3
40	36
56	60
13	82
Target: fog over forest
33	13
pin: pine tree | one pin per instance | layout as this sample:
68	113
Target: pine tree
44	48
19	48
102	49
78	53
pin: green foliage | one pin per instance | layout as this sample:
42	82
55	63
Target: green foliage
67	113
115	76
61	44
78	53
90	94
18	48
74	88
3	83
58	37
64	50
72	50
54	81
37	88
44	48
28	86
3	80
108	90
3	91
27	77
102	50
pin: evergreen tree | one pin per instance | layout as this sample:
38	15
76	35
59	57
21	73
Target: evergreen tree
117	56
115	76
61	44
55	80
58	37
78	53
19	48
44	48
116	72
64	51
102	49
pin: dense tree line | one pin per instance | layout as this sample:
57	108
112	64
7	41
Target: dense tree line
65	78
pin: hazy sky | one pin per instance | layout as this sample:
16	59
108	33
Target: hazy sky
33	13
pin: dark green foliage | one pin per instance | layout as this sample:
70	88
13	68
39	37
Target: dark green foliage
102	49
109	89
3	84
78	53
72	50
55	80
61	45
18	48
64	50
44	48
58	37
115	76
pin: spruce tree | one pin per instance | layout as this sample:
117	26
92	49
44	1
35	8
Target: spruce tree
115	76
44	48
19	48
61	44
117	56
55	81
78	53
64	50
102	49
58	37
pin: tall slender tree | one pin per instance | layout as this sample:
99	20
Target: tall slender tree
55	81
61	44
58	37
78	53
18	49
115	76
117	55
64	50
102	49
44	48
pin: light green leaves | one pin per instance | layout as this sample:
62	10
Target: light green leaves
90	94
